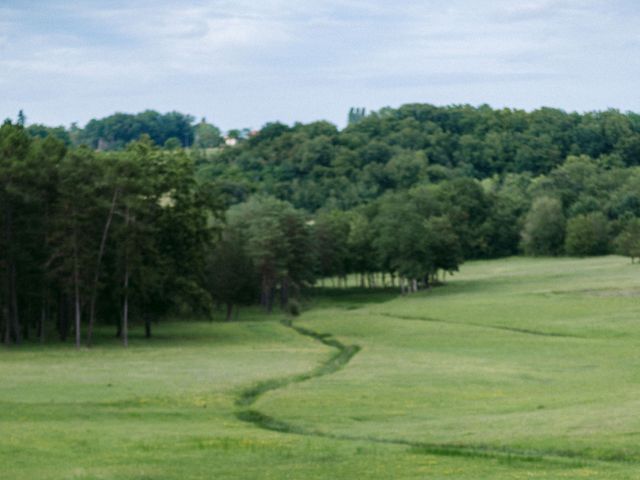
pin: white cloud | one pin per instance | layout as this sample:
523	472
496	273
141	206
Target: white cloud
277	56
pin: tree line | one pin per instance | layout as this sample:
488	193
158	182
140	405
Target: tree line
316	165
148	229
545	182
90	236
93	237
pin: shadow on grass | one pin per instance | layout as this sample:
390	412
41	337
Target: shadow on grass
347	298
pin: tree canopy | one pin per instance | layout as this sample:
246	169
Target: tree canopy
138	216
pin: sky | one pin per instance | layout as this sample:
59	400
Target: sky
243	63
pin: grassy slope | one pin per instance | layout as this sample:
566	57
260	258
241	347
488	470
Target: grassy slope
519	368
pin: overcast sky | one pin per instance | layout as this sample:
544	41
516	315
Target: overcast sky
243	63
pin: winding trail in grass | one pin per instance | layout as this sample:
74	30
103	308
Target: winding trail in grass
248	396
337	361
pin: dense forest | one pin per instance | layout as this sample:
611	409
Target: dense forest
135	217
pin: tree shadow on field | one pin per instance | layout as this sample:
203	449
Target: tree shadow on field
347	298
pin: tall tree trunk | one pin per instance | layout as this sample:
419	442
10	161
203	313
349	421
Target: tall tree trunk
125	309
271	295
76	293
7	324
284	292
31	320
17	330
63	317
229	311
6	308
78	316
264	293
147	326
96	276
43	317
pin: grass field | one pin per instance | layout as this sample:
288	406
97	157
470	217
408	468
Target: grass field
516	369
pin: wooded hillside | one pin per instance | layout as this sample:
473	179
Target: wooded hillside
397	197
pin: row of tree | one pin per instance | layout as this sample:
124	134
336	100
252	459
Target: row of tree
270	251
548	232
88	236
412	236
92	237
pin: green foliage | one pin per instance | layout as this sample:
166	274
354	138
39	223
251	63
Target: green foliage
278	243
206	135
42	131
400	194
314	166
360	244
330	235
117	130
587	161
84	233
510	200
414	236
587	235
231	276
444	245
544	228
628	242
400	238
465	203
172	143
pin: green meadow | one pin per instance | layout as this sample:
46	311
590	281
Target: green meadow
515	369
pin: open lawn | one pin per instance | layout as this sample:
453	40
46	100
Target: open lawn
517	368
